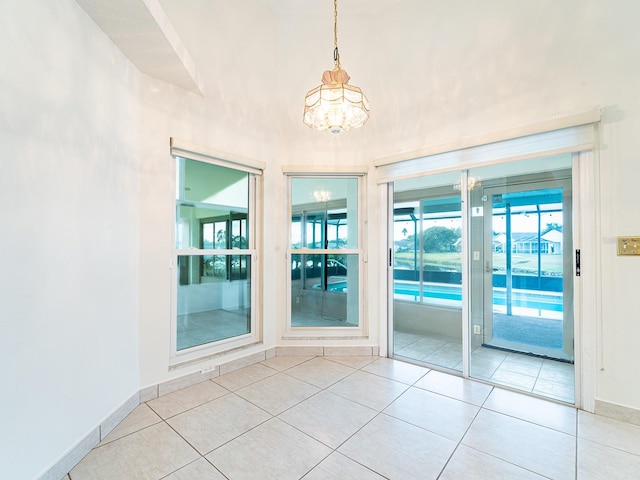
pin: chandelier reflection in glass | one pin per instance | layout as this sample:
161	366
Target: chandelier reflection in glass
322	196
335	106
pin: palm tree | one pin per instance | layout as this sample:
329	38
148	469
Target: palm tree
221	238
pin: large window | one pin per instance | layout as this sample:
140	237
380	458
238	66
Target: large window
214	255
427	247
325	252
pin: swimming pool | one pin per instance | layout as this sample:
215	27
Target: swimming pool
536	300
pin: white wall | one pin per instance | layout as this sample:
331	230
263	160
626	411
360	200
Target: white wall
234	115
69	212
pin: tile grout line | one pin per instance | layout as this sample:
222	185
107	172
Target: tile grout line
378	413
128	434
335	450
444	467
480	407
229	392
190	408
323	389
197	451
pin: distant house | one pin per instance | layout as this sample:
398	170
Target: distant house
550	242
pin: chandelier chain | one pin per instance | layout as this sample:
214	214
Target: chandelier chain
336	54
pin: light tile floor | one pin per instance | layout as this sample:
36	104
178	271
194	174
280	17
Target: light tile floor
540	376
330	418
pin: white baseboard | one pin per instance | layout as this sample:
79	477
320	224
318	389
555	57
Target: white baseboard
618	412
73	456
344	351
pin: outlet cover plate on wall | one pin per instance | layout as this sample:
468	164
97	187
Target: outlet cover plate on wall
628	245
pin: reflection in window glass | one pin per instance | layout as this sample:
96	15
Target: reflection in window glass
212	309
323	295
213	286
325	213
324	283
215	195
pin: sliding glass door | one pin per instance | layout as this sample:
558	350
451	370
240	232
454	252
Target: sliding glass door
521	276
427	270
511	229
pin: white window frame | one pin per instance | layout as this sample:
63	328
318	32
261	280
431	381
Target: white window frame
183	149
576	134
362	329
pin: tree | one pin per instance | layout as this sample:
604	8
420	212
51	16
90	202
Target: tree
238	242
439	239
221	239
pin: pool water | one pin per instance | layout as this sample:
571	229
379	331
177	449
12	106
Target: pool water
534	300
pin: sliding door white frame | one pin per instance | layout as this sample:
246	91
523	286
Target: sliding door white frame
576	135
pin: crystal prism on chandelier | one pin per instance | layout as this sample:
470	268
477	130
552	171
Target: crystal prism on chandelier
335	106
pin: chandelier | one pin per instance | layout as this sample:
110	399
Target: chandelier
335	105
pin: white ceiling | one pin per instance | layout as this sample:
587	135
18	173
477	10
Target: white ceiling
231	51
315	7
434	71
143	32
